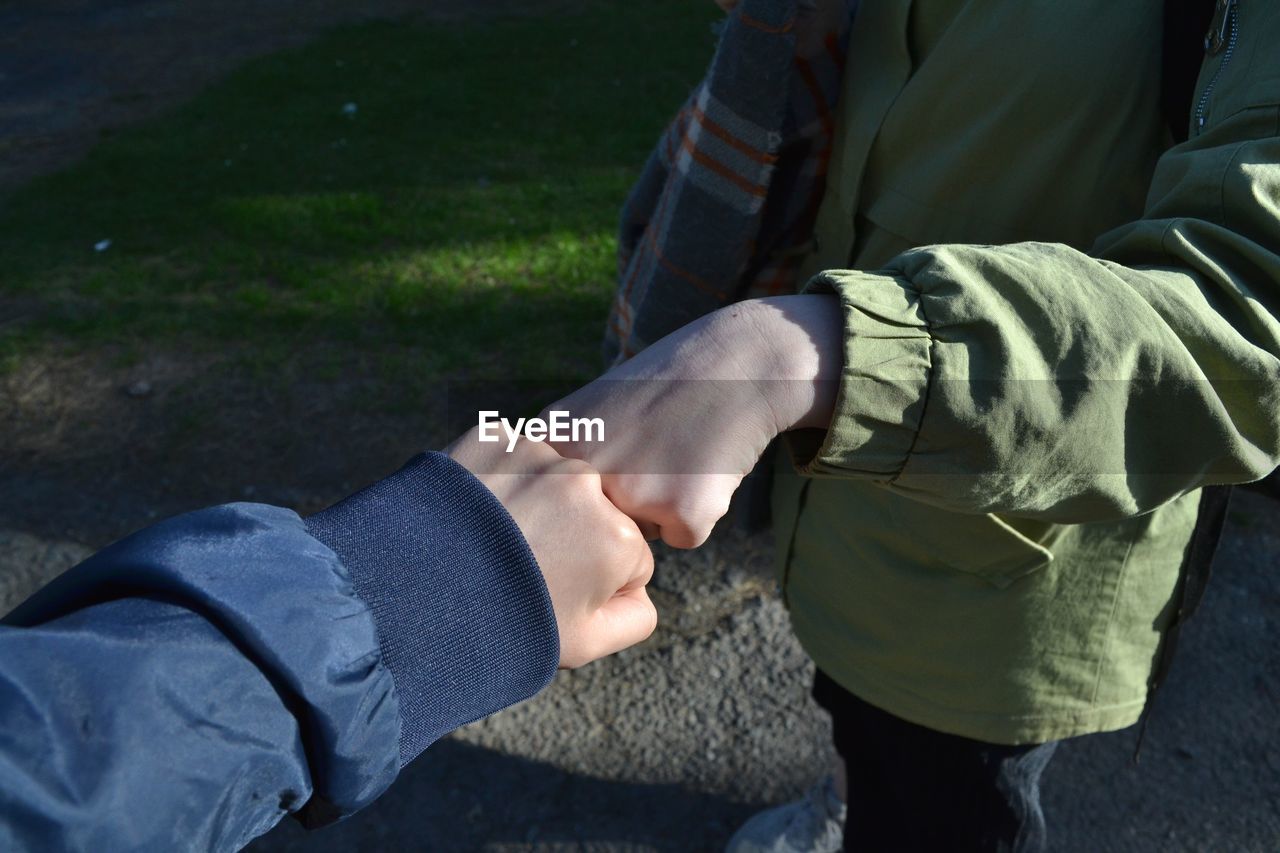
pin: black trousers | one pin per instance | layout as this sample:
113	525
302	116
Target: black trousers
915	789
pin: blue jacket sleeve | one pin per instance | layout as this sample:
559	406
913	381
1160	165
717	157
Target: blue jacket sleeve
190	685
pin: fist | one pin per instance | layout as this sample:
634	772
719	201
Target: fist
688	418
593	558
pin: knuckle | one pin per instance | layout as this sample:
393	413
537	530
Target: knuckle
644	565
686	534
627	534
650	618
580	474
680	537
652	622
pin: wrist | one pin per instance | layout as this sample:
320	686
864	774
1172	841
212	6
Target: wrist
791	346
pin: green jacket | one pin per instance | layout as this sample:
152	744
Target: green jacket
987	540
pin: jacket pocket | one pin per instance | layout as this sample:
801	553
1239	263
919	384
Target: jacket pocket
997	549
1017	547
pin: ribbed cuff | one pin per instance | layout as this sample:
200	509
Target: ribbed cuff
464	619
884	382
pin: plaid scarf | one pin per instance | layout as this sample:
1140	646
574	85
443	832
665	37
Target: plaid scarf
725	206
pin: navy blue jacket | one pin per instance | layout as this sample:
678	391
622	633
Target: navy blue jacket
190	685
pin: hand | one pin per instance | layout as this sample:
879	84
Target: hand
594	559
688	418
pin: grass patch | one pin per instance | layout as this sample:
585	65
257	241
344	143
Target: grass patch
463	204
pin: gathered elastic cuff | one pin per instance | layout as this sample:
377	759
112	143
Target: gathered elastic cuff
464	620
884	382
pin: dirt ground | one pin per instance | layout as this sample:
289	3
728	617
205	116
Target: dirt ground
668	746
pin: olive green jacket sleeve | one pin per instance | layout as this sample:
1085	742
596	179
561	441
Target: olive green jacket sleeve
1037	380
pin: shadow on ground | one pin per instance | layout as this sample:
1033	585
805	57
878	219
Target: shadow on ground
451	803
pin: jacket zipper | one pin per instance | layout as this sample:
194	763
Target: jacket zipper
1223	33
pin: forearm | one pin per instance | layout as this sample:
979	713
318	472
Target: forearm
208	675
1040	379
211	644
781	356
1035	380
793	347
170	738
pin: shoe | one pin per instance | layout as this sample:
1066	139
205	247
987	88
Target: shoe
814	824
